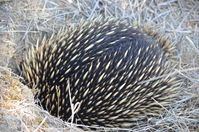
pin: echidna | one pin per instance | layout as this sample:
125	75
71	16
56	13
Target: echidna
117	72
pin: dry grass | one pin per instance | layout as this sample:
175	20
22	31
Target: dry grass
21	21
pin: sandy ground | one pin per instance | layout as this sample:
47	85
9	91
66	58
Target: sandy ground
23	21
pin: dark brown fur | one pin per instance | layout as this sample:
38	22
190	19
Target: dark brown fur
114	69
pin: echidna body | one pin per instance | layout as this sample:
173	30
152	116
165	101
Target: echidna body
115	72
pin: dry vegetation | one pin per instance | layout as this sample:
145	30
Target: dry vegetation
22	21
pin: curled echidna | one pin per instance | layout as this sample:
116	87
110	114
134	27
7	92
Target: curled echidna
118	73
